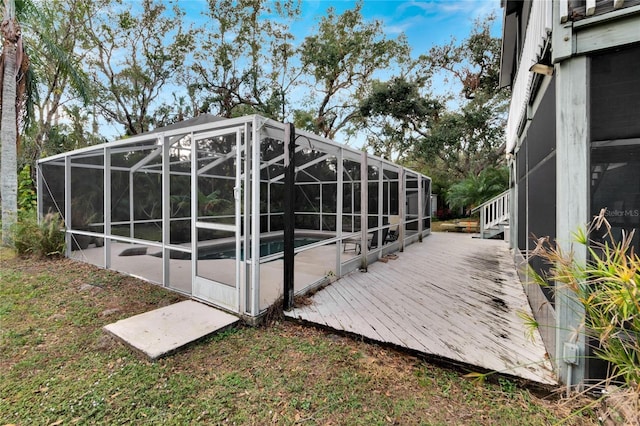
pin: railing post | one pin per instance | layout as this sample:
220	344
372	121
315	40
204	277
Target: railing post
493	211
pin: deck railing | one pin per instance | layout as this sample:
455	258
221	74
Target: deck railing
493	212
576	10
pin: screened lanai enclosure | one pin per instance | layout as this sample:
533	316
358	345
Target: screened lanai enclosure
199	207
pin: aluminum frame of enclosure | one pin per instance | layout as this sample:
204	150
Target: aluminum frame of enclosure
199	209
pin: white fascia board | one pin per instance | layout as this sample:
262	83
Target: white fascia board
536	38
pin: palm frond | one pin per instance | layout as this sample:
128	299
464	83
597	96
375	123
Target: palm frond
68	66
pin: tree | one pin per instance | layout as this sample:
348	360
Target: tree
132	56
14	64
62	85
342	59
450	135
396	114
51	65
469	138
244	63
475	189
464	141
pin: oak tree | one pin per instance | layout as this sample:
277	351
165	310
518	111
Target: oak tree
341	60
133	55
244	61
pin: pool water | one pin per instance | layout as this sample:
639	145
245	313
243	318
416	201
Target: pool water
267	248
228	251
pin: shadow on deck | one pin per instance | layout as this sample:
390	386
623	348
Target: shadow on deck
452	297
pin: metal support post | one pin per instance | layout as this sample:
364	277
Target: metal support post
106	232
339	204
364	211
289	213
166	209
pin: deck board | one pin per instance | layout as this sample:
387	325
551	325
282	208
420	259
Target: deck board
451	296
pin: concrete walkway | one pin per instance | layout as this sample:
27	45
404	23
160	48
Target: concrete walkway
162	331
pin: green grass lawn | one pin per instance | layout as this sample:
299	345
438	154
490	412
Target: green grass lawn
57	366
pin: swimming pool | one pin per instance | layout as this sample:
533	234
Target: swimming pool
228	251
267	248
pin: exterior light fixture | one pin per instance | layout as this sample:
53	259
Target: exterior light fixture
542	69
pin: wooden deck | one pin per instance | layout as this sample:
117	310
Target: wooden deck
451	297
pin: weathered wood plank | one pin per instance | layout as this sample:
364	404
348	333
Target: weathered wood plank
564	10
601	37
386	335
451	296
327	310
376	308
354	322
388	312
461	344
409	307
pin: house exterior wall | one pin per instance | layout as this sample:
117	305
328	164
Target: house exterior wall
574	140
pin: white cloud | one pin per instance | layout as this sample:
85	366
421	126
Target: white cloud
471	9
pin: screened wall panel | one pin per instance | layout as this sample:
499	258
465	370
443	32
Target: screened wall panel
200	209
147	205
180	206
536	180
615	134
87	193
52	188
615	94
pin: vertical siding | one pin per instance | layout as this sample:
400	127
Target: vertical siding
538	29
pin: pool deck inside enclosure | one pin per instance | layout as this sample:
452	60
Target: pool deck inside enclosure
311	266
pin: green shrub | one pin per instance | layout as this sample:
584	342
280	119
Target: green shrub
607	285
42	239
476	189
52	240
26	234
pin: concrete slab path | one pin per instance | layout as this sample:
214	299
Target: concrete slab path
162	331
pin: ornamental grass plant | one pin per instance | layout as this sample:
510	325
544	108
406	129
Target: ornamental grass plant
44	238
606	285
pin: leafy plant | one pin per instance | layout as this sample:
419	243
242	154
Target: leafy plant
27	198
476	189
26	234
52	239
212	203
42	239
607	287
83	211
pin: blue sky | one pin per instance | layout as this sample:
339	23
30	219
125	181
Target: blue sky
425	23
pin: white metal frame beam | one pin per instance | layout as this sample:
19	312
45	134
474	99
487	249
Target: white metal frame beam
146	160
305	166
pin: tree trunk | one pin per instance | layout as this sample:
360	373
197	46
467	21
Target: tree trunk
8	131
